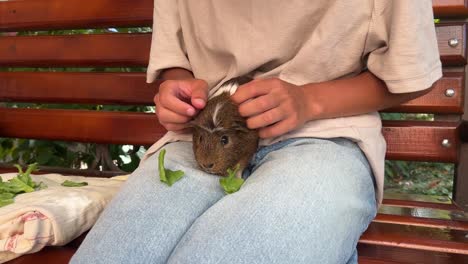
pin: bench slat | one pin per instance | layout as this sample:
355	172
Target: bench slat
452	55
370	260
407	140
416	237
49	255
417	199
450	8
428	217
81	125
106	50
133	49
131	89
58	14
408	256
405	201
437	101
421	140
77	88
405	219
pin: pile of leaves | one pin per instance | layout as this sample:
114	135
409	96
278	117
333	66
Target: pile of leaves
22	183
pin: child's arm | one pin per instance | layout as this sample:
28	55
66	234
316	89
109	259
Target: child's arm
276	107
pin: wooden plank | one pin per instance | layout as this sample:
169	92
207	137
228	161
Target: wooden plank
419	201
425	222
367	260
452	55
408	256
429	217
133	49
421	140
418	198
408	203
407	140
461	179
440	100
50	255
81	125
450	8
464	131
461	175
132	89
59	14
111	50
76	87
416	237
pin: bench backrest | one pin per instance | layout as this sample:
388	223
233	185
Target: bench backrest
438	141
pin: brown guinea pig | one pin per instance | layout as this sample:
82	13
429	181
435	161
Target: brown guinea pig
221	139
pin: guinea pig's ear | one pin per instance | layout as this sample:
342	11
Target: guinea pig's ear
193	124
240	126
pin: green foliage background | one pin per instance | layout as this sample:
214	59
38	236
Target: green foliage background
405	177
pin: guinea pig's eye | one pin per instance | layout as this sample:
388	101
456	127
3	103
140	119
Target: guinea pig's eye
224	140
200	138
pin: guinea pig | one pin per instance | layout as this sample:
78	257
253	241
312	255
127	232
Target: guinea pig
221	138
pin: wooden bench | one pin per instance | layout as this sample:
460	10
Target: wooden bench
408	229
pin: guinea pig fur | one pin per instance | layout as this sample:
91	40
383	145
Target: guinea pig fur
221	139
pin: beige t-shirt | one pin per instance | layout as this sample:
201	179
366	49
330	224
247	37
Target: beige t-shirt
301	42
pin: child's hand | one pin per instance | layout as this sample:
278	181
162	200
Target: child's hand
273	106
178	101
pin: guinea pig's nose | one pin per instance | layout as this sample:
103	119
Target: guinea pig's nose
208	166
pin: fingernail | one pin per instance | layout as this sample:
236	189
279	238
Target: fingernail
199	102
190	111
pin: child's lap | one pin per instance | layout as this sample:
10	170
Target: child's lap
299	190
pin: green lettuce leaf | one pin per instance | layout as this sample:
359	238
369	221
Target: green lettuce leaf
6	199
16	185
22	183
231	183
167	176
68	183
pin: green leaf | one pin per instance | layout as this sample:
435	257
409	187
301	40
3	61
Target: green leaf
4	196
19	186
68	183
22	183
6	199
162	170
20	170
167	176
231	183
26	176
173	176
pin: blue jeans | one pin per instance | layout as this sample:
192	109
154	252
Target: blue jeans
304	201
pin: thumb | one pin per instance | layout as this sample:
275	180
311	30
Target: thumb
199	94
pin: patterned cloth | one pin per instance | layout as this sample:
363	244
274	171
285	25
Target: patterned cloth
53	216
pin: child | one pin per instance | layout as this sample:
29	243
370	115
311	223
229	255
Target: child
322	70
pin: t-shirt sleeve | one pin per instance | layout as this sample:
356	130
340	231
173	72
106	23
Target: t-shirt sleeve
167	44
402	45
